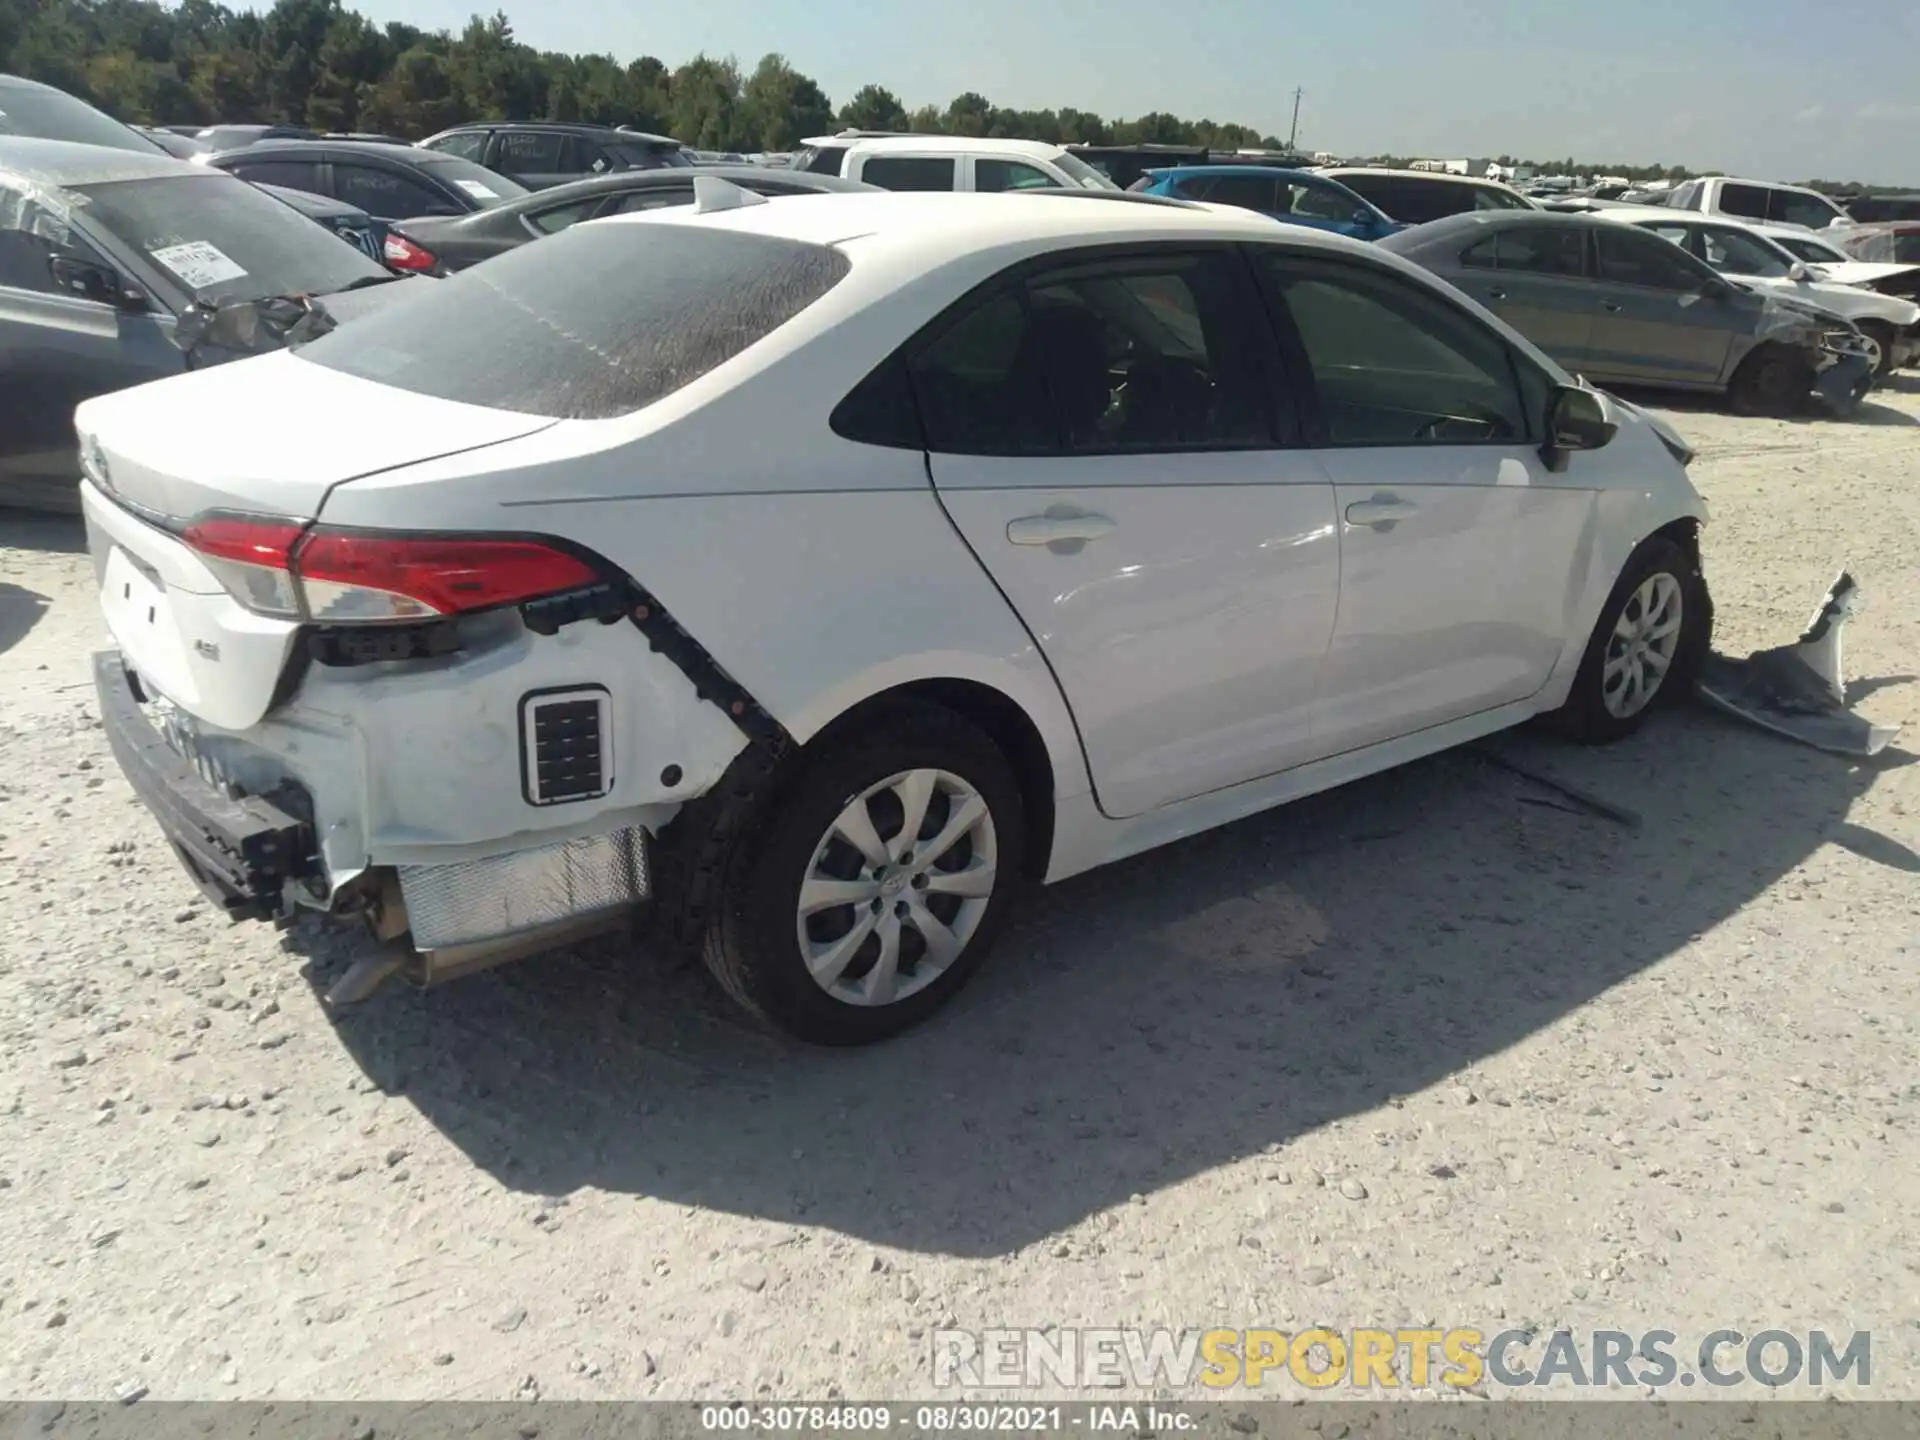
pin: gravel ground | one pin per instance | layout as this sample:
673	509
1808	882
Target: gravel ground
1426	1049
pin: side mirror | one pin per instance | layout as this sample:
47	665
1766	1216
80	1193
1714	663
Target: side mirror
1799	273
1364	219
99	283
1576	420
1716	289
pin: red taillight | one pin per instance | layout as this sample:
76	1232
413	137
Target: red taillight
343	577
348	577
402	254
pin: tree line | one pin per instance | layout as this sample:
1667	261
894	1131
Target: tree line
318	63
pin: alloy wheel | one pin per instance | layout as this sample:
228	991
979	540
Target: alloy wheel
1641	650
897	887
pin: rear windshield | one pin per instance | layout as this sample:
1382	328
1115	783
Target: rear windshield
487	188
56	115
218	238
597	321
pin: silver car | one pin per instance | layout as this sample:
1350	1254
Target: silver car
1620	305
101	252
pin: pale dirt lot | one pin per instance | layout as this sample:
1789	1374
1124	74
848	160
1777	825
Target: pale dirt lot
1420	1050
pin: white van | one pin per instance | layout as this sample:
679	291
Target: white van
1764	200
960	162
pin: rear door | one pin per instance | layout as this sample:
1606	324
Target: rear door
1457	545
1538	279
1103	432
59	348
1655	322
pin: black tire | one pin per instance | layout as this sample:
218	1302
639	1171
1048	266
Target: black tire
1773	380
1881	333
750	941
1585	716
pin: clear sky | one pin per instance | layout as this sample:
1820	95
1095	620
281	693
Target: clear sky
1766	88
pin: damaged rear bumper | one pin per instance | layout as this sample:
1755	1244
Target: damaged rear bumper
243	853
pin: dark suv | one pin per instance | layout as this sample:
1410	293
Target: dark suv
543	153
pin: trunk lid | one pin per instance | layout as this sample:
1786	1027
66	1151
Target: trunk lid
268	436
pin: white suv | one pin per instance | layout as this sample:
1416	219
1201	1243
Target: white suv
1766	200
957	162
818	574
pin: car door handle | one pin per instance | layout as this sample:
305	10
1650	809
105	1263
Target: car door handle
1496	293
1055	528
1382	511
1610	307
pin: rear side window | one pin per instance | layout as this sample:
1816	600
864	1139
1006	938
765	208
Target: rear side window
908	172
1531	249
595	322
1633	257
1148	353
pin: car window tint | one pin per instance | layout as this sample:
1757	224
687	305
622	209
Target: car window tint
1317	202
1252	191
388	194
909	172
1790	207
1745	200
657	197
1531	249
483	187
1737	253
528	152
56	115
991	175
1487	197
467	144
584	325
31	237
293	174
1393	364
1633	257
1411	200
558	217
1125	355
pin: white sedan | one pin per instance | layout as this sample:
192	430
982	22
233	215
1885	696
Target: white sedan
809	575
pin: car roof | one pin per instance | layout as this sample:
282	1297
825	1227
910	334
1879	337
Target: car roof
61	163
1454	229
1770	184
1229	167
1445	176
934	227
321	149
959	145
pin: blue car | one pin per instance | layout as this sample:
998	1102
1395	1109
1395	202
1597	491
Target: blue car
1298	197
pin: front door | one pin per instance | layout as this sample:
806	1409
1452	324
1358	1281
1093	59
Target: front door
1657	321
1106	436
1457	545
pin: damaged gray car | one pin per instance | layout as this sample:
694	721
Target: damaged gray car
118	268
1621	306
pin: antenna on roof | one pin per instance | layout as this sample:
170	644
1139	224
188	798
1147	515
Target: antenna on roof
711	193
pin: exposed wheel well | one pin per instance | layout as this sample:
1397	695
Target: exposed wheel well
1008	726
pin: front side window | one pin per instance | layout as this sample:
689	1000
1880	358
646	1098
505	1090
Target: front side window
909	172
1532	249
1149	353
995	175
1794	207
1251	191
1733	252
1394	365
1083	174
1488	197
31	238
290	174
485	188
1814	252
1319	202
215	237
1633	257
585	325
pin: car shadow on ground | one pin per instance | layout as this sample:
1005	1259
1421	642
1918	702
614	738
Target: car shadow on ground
48	534
1140	1024
20	611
